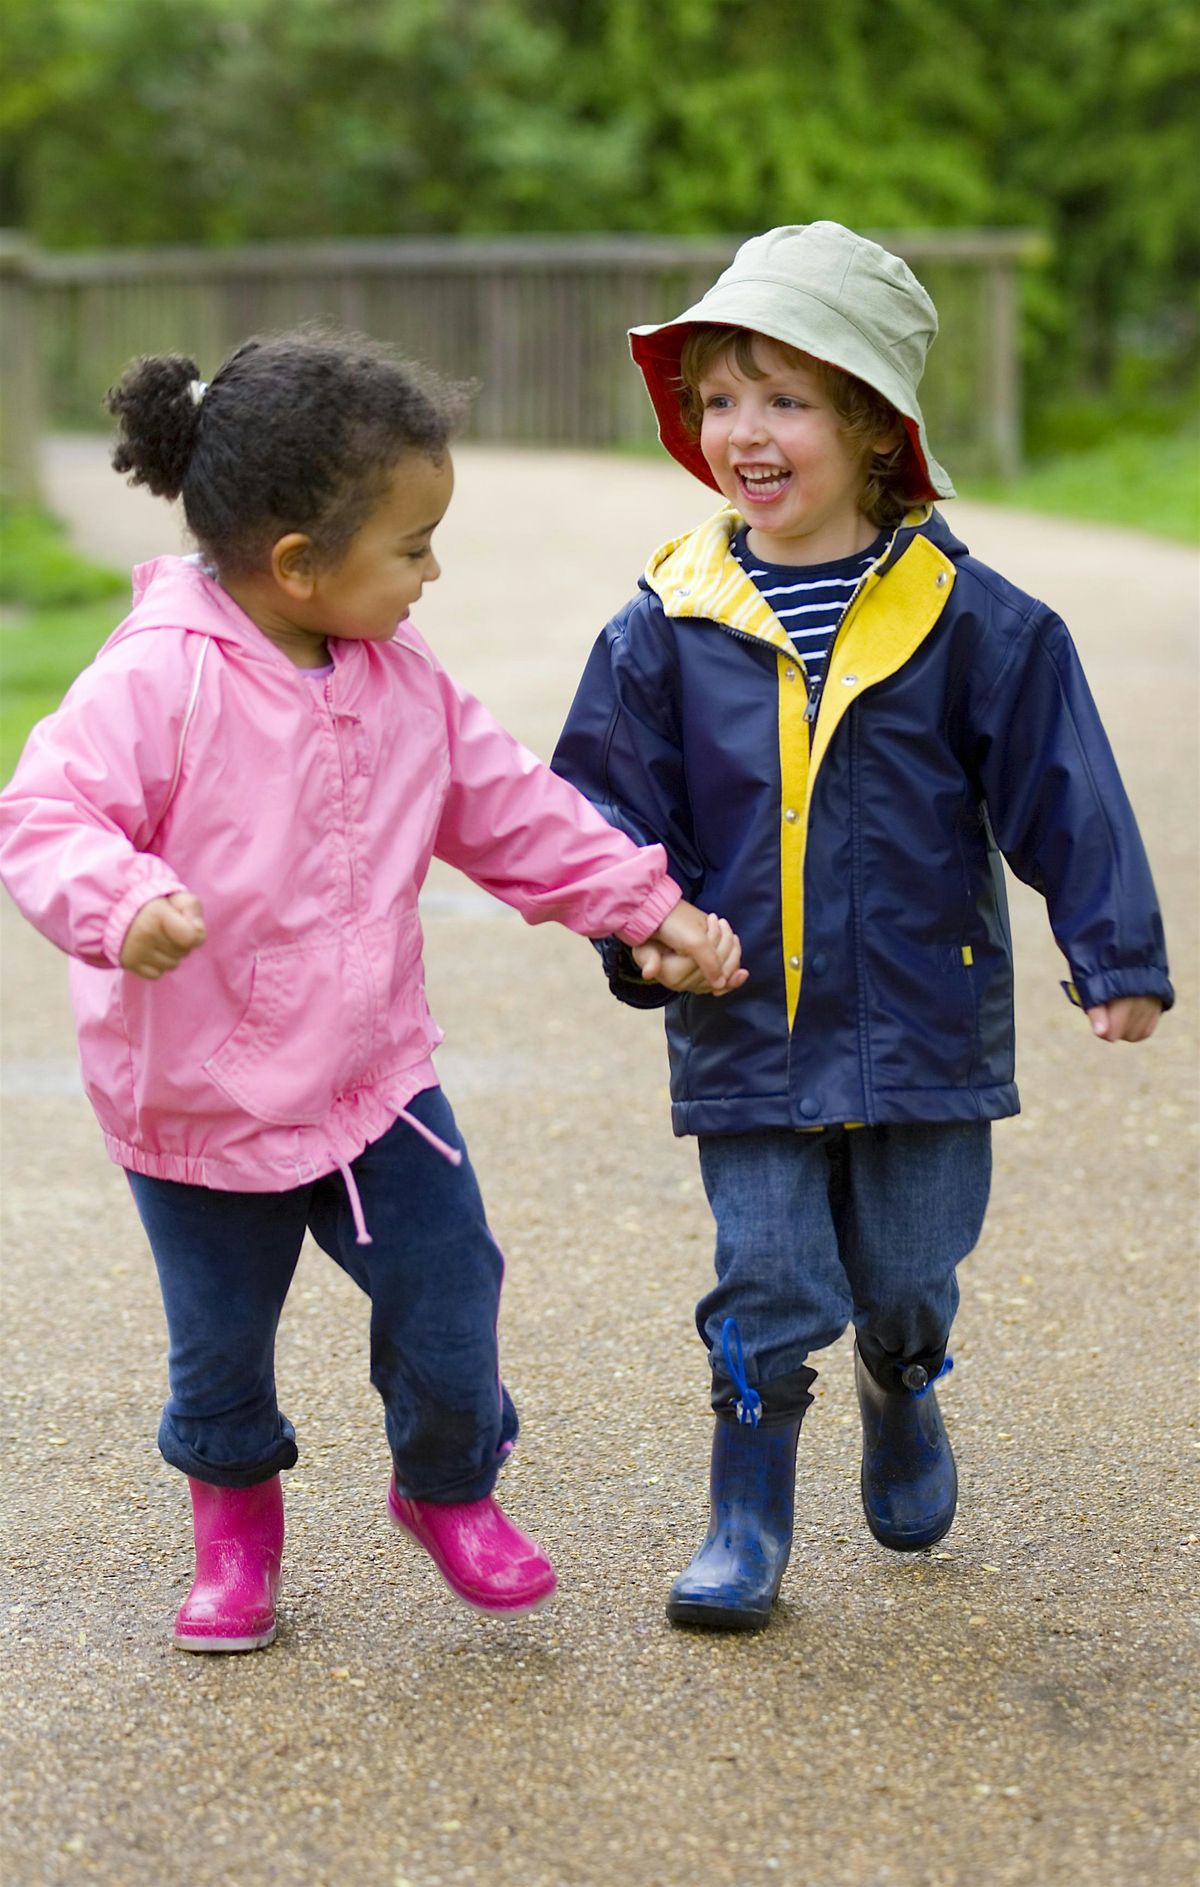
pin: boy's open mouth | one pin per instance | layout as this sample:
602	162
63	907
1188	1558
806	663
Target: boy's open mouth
759	484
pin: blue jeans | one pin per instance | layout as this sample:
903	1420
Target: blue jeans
433	1274
850	1225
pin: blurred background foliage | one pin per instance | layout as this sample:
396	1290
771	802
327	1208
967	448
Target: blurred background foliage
223	121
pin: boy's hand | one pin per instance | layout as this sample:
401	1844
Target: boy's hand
1128	1019
162	934
692	952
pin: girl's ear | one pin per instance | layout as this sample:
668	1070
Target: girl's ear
294	567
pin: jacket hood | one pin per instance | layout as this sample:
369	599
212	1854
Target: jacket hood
176	592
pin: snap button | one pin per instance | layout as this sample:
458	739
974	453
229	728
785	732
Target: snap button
789	674
942	579
683	592
849	681
790	815
820	963
809	1108
793	963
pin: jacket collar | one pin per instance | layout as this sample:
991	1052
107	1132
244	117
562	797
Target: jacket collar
697	575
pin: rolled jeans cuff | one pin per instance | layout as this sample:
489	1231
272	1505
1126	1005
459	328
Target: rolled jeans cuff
178	1454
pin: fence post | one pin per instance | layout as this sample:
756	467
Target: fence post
20	405
1004	417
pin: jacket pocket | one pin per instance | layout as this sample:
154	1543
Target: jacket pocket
403	1030
302	1034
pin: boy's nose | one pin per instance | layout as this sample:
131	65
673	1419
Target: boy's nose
748	428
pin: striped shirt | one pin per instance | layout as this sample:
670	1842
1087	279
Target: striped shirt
809	600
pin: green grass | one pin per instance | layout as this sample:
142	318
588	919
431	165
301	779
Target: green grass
38	568
57	608
1148	481
40	655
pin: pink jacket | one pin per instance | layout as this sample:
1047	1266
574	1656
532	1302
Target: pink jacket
192	755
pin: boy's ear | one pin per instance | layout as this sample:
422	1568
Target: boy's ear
294	567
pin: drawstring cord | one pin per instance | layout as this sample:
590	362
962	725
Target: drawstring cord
361	1234
918	1379
749	1408
453	1154
450	1153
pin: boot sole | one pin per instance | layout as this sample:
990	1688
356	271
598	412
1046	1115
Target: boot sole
257	1643
695	1615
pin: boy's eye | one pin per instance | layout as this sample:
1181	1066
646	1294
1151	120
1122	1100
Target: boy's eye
713	400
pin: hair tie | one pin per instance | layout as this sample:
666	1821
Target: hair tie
197	389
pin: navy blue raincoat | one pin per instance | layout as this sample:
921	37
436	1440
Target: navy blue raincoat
858	856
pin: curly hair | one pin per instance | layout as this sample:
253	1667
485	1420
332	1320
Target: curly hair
296	432
892	479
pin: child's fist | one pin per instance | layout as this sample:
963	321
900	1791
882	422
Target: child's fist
162	934
692	952
1127	1019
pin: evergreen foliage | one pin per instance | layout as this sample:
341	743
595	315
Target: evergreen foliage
220	121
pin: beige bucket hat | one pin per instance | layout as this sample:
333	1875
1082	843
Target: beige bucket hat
822	289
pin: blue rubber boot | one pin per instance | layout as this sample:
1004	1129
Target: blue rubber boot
909	1481
734	1579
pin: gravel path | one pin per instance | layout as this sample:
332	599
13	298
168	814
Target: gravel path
1012	1708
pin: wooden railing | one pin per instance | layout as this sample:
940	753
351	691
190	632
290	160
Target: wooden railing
540	323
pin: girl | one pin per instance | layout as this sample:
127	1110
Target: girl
227	824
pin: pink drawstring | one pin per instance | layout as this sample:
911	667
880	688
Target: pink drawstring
361	1234
447	1152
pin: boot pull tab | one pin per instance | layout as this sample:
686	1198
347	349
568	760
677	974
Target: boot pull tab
749	1407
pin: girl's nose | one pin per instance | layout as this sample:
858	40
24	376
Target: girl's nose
433	569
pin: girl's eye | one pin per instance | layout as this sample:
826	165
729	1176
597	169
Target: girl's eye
713	401
415	556
789	402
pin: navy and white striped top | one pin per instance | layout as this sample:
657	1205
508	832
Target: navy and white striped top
809	600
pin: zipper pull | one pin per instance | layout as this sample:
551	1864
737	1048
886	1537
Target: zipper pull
810	711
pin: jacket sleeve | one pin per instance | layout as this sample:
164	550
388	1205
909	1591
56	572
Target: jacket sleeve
621	746
78	816
530	839
1063	820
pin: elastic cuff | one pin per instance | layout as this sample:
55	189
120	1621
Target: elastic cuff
656	905
783	1398
1087	992
625	979
157	880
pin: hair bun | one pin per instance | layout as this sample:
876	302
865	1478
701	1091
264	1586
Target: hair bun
158	402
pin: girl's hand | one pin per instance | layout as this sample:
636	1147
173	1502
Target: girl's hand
1127	1019
162	934
694	953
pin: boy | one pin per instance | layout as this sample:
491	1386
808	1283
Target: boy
835	720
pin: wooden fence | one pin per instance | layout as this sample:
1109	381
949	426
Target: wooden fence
540	323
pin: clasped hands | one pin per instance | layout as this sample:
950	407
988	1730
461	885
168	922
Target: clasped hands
692	952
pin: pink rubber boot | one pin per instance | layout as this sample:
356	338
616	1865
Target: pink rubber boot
239	1547
484	1559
